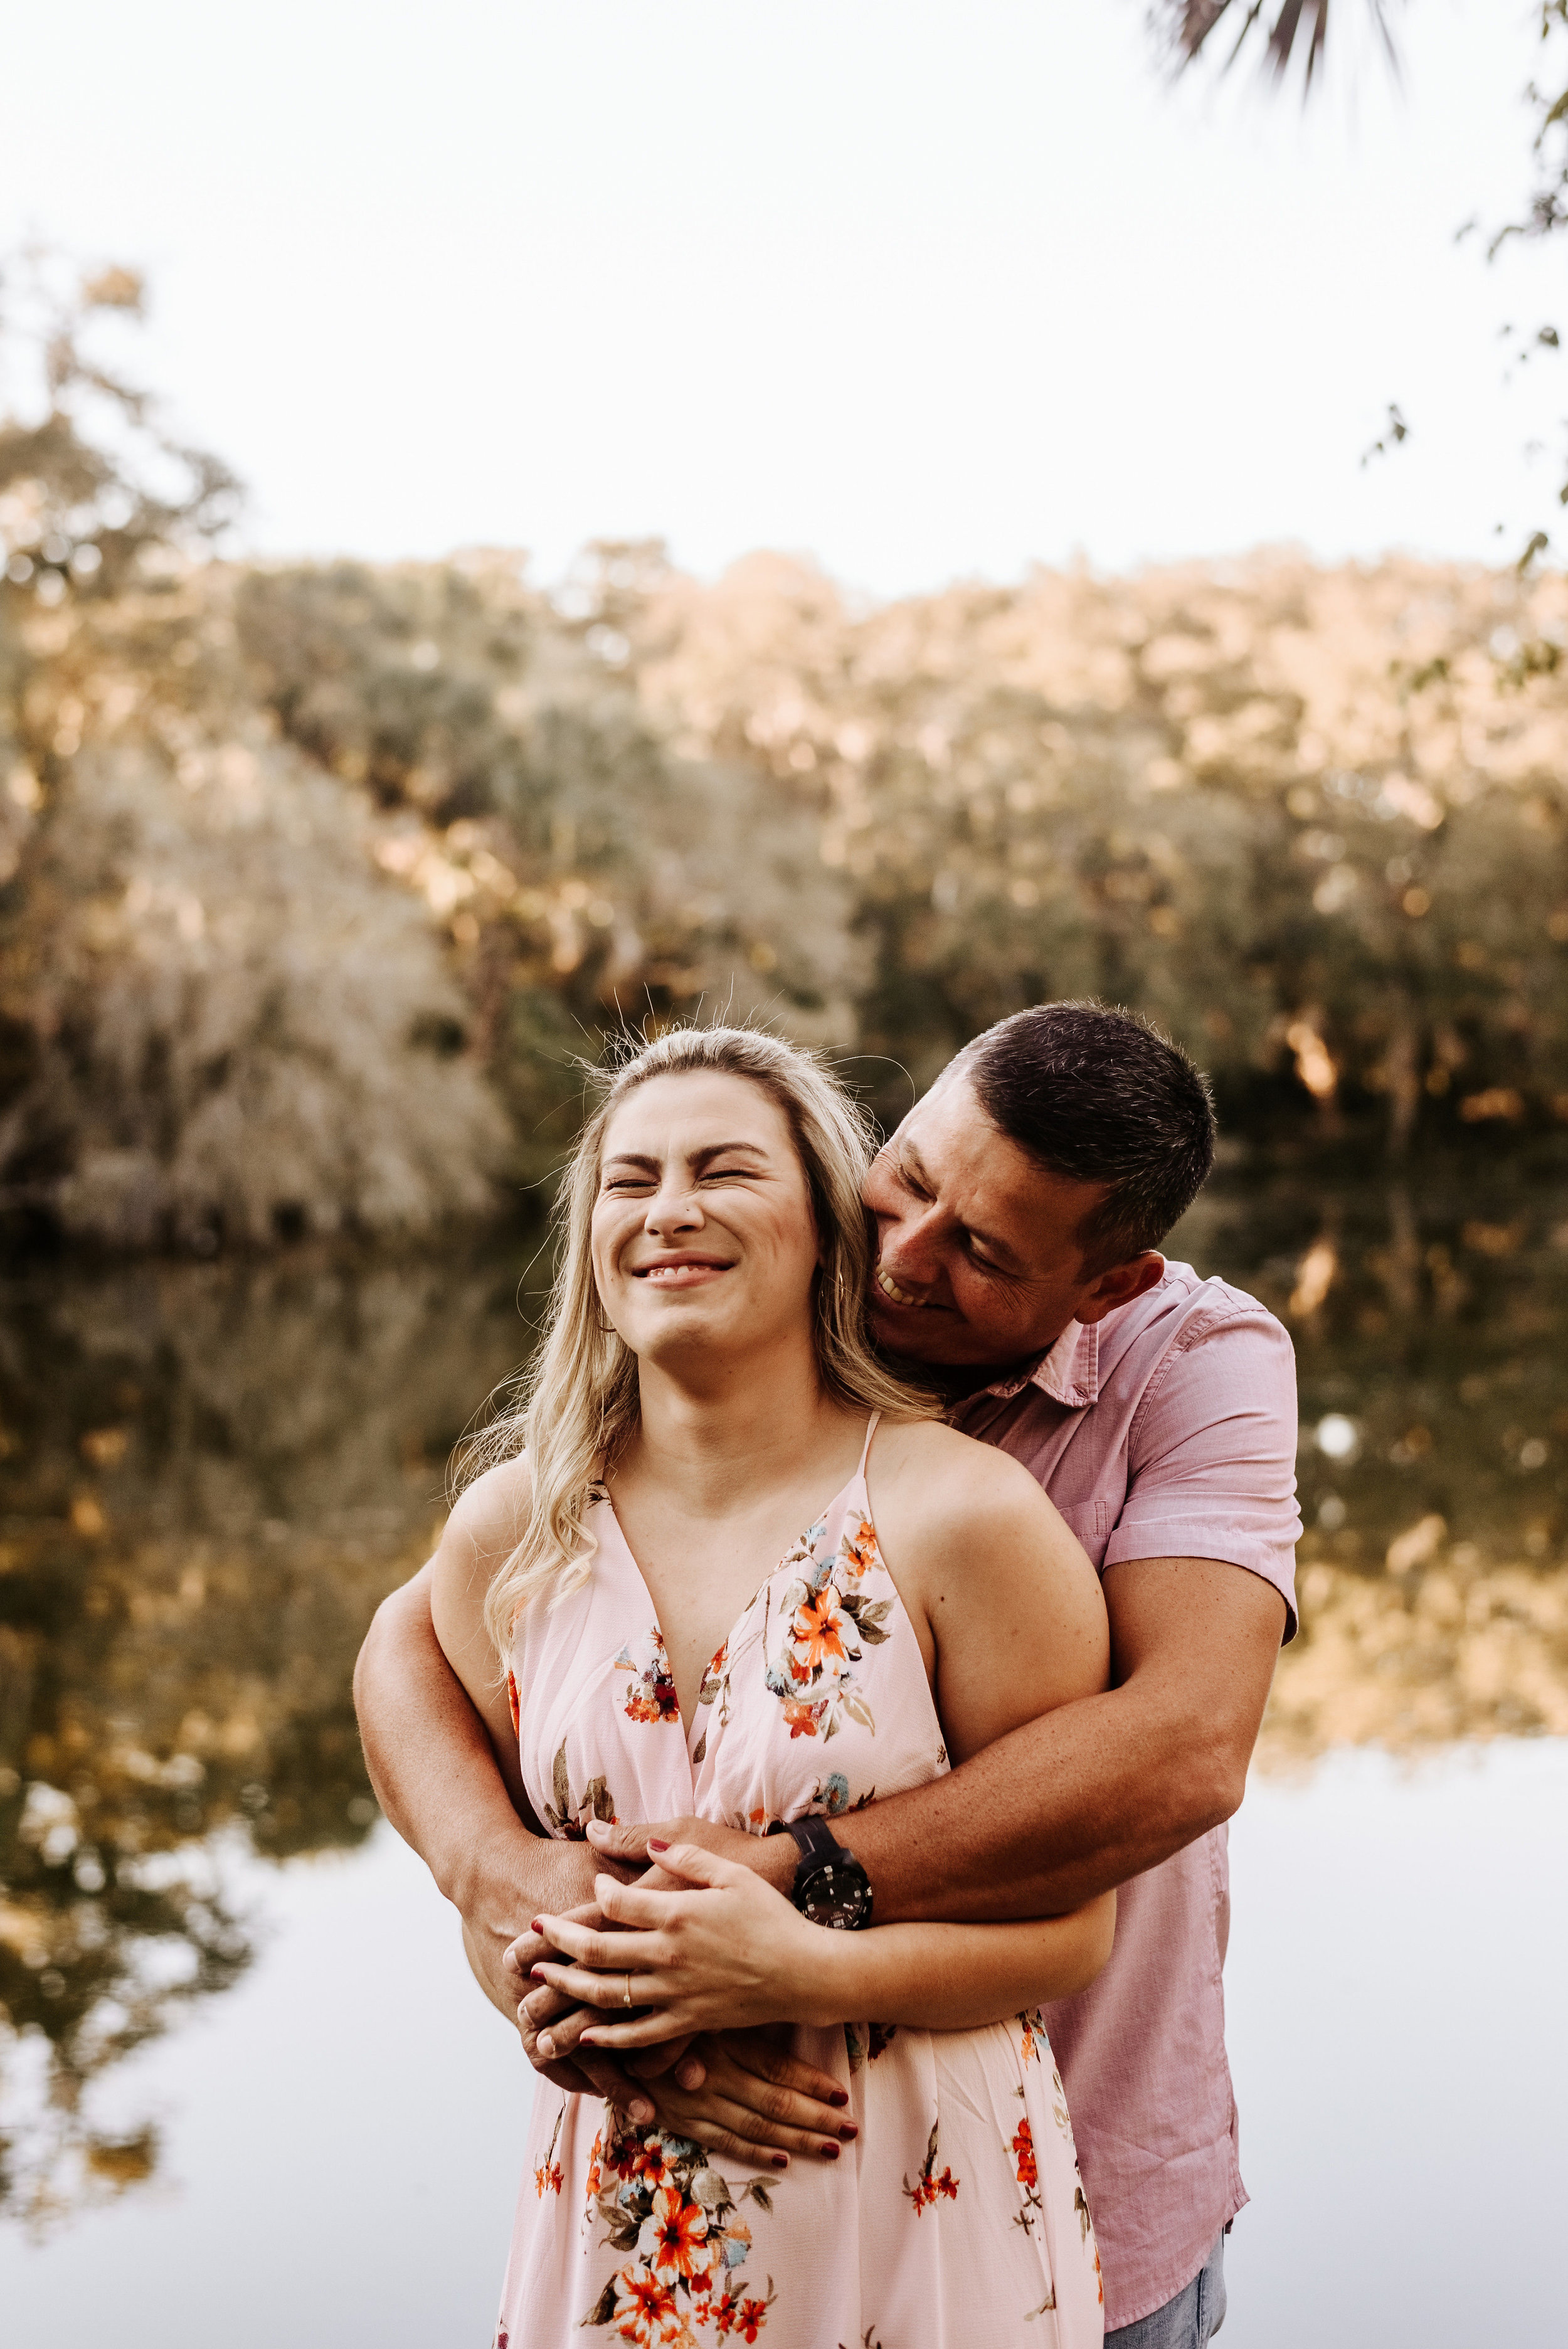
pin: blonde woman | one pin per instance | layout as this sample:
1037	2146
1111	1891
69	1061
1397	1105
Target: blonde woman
731	1569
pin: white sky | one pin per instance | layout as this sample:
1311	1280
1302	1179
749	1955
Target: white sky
923	290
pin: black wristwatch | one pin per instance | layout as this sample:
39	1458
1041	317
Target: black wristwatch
830	1888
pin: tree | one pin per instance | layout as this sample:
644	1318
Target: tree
218	1016
1300	28
94	478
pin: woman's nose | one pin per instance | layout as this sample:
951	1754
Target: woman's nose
673	1208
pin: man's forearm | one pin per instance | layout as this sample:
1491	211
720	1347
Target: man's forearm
1095	1792
1066	1807
439	1780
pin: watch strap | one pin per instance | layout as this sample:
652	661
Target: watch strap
816	1839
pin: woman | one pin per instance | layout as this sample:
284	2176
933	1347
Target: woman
705	1382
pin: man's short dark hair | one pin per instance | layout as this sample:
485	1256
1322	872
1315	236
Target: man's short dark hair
1101	1096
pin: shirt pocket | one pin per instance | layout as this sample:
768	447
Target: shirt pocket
1090	1521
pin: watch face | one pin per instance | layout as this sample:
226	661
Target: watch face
838	1894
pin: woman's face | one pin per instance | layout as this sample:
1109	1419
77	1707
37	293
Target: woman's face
702	1234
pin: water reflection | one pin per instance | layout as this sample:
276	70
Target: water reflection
208	1476
1429	1325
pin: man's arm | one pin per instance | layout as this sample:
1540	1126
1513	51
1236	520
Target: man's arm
1087	1796
1102	1789
455	1793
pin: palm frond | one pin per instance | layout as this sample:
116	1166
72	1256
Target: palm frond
1300	27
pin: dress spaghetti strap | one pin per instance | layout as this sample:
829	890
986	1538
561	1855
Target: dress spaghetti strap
872	1426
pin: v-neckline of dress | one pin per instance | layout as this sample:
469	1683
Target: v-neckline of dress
688	1730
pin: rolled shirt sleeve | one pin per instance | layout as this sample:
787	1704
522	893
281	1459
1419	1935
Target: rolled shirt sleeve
1211	1449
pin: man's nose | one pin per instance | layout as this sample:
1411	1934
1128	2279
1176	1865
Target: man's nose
910	1252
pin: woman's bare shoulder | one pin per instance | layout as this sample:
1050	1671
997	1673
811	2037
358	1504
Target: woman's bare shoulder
952	1475
487	1520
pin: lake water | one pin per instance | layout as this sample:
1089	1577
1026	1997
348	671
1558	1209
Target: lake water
246	2088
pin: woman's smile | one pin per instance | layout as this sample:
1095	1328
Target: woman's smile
680	1272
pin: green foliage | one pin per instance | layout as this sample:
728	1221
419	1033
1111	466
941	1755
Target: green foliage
1299	28
96	487
317	881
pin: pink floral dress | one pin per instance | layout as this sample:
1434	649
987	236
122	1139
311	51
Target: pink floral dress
957	2217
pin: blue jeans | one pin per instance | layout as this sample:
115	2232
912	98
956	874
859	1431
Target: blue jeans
1188	2321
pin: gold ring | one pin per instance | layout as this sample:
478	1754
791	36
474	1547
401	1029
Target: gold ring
628	1997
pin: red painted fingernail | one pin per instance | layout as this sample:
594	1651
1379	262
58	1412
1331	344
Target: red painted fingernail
829	2153
537	1973
847	2130
781	2161
657	1843
838	2098
537	1925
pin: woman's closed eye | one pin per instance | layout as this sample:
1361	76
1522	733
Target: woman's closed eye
625	1184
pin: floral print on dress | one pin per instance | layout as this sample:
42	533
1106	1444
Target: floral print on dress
662	2200
569	1814
715	1688
548	2178
824	1618
651	1691
645	2240
929	2185
877	2038
1027	2171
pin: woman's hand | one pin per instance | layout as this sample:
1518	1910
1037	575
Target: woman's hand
730	1954
757	2102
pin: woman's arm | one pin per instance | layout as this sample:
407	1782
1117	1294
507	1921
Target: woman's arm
735	1952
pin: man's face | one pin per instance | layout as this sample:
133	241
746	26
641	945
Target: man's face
978	1262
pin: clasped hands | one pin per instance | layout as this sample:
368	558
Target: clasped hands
711	1954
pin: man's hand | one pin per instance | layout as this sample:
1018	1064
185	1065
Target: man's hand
773	1858
489	1939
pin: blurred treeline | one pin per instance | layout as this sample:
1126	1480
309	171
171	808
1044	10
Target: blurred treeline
314	880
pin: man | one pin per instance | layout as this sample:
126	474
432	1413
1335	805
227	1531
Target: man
1018	1210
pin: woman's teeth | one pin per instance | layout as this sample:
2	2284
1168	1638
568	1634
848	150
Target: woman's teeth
890	1288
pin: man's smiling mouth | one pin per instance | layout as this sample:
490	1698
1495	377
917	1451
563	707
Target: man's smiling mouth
890	1288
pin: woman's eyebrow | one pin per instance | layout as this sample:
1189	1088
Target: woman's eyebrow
698	1158
723	1150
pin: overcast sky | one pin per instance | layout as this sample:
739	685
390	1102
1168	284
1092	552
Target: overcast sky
923	290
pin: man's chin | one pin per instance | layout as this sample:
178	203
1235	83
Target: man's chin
913	1333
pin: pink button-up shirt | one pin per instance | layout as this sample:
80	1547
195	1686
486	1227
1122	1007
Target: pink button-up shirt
1167	1429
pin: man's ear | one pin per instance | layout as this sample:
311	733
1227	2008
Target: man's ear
1118	1285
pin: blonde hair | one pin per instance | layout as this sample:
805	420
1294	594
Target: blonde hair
576	1404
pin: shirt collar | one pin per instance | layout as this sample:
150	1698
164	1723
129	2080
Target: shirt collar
1068	1371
